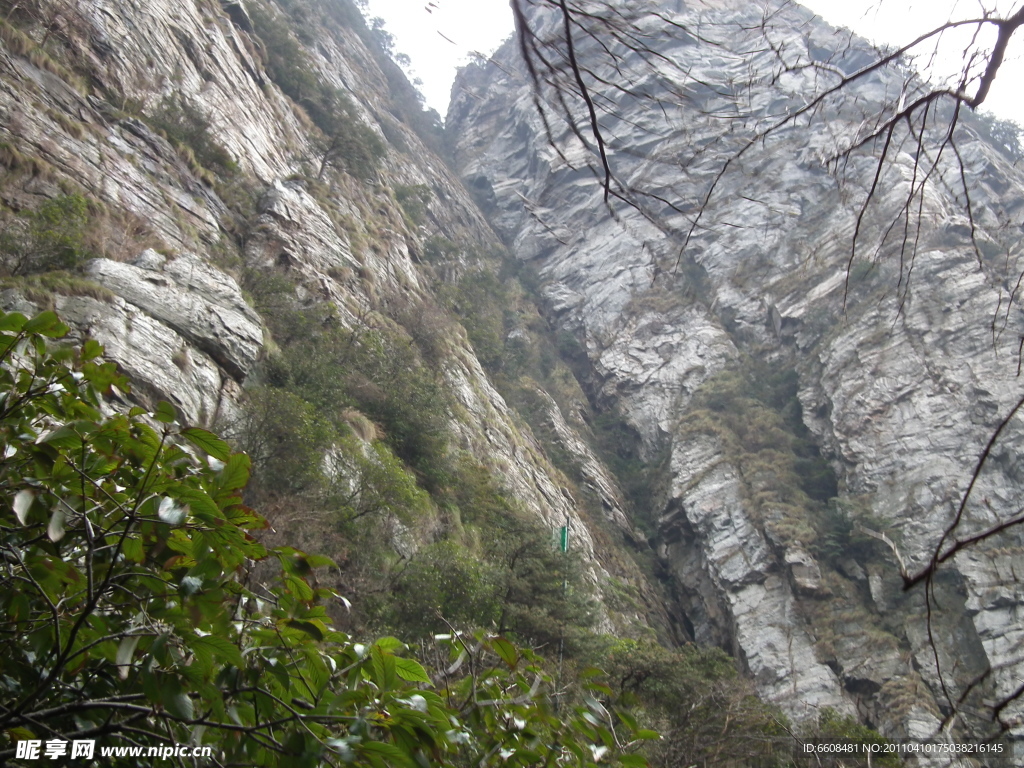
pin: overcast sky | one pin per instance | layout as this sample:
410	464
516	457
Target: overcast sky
440	35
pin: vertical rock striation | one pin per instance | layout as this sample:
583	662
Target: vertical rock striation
695	275
203	177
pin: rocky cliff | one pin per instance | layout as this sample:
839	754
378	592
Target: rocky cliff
204	186
794	386
214	149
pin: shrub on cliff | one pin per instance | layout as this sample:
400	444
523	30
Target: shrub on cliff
709	714
49	237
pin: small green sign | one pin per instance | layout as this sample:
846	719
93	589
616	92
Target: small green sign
563	538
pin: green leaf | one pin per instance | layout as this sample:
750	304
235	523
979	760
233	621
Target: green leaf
506	651
388	751
235	473
320	561
20	734
46	324
299	588
92	349
202	657
308	627
6	342
13	321
179	704
64	437
104	376
280	674
133	550
390	644
19	607
411	671
208	441
165	412
383	664
220	648
198	500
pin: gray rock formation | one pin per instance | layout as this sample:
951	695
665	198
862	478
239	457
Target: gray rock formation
177	239
200	303
161	363
897	377
902	376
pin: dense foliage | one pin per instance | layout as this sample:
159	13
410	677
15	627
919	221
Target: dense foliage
130	615
189	130
375	402
706	713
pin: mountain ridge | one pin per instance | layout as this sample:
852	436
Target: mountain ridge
271	244
668	310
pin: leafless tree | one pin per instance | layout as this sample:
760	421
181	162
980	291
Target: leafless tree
624	50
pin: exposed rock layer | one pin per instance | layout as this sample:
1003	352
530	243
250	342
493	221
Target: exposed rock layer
900	383
175	318
901	377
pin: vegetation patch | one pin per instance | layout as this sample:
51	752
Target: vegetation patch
414	200
50	237
482	300
185	126
135	526
756	416
40	289
21	44
373	495
20	164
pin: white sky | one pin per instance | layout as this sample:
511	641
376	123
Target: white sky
441	39
440	35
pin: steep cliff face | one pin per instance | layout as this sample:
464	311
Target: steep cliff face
237	166
742	347
179	127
